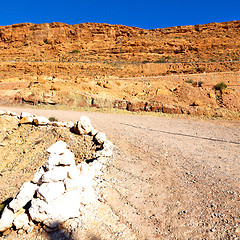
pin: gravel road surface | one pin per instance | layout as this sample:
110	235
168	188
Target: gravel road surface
169	178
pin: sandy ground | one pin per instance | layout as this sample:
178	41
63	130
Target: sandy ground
169	178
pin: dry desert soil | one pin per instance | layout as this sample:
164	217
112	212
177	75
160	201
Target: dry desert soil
169	178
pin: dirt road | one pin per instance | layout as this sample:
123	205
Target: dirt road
169	178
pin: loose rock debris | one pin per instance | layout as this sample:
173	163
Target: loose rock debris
60	190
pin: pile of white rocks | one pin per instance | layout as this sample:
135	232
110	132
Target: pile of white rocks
59	189
82	127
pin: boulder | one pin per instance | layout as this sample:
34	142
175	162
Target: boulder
50	191
38	210
83	126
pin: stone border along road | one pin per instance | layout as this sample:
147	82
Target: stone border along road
169	178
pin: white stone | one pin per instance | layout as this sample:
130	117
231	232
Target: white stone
50	191
25	114
65	207
108	145
73	172
86	124
57	148
26	119
100	137
6	219
38	175
2	112
67	158
52	161
84	168
93	132
24	195
39	120
81	183
38	210
70	124
21	221
55	175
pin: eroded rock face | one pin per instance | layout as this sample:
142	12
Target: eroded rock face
59	190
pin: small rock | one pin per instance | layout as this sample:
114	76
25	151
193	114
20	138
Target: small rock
24	195
38	175
26	119
6	219
197	103
70	124
2	113
25	114
20	231
21	220
100	137
83	126
40	121
57	148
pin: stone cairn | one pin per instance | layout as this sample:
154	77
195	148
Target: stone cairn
61	188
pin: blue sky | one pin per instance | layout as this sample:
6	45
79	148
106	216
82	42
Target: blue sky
146	14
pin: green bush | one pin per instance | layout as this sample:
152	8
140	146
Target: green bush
189	81
200	83
75	51
45	41
53	119
220	86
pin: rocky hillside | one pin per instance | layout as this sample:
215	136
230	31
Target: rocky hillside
93	41
82	65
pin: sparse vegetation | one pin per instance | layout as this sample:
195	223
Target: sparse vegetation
160	61
75	51
220	86
190	81
53	119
